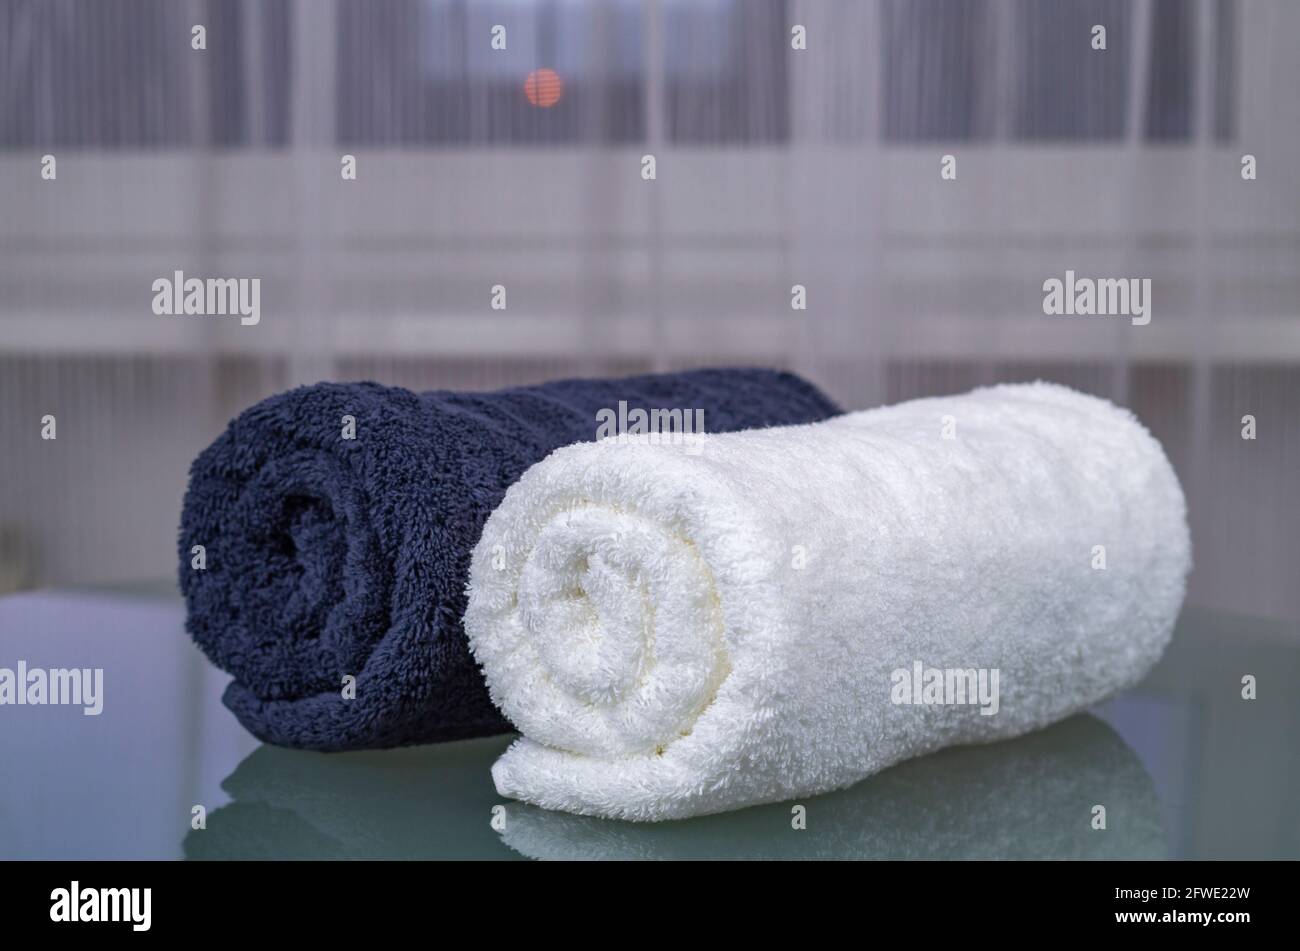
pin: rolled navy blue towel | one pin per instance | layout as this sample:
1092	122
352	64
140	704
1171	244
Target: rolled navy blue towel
326	558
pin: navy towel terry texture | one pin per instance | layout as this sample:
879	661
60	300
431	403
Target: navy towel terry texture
328	557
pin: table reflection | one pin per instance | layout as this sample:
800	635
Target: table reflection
1031	797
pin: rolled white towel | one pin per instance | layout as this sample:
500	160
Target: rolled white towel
684	630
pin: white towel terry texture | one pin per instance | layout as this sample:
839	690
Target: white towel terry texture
680	630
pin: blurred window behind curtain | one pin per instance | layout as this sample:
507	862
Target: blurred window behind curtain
118	74
422	72
939	84
725	71
411	73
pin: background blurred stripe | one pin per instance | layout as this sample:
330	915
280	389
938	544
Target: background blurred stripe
775	167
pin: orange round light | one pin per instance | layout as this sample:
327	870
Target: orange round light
543	88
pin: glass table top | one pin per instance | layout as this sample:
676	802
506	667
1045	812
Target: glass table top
1185	767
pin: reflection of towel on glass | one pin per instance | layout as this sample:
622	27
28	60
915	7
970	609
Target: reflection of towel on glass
427	802
329	556
683	633
1027	798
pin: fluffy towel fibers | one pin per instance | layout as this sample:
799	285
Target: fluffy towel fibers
678	634
331	557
